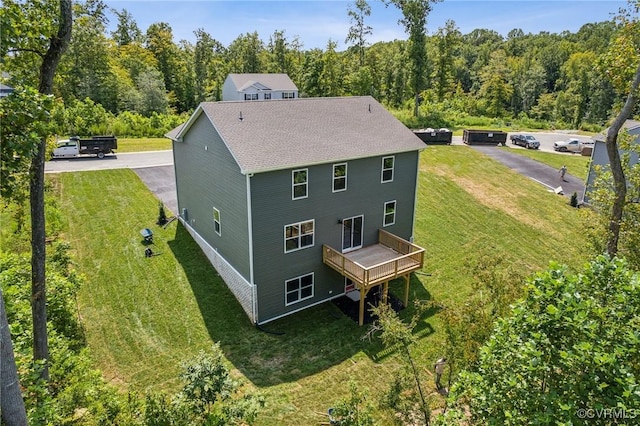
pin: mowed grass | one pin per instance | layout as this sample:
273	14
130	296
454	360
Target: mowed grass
143	317
143	144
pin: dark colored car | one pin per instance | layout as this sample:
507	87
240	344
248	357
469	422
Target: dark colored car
527	141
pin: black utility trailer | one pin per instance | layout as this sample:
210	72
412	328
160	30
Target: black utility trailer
435	137
484	137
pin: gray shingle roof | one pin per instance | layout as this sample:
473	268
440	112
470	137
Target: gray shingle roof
284	134
272	81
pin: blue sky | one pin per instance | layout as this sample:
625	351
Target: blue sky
315	22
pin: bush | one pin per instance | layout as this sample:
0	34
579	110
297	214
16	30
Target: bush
574	200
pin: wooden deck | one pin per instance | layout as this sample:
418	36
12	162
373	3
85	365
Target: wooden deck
377	264
392	257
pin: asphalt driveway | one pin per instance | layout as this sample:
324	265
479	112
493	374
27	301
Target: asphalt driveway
541	173
161	181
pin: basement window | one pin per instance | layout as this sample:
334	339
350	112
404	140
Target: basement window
298	289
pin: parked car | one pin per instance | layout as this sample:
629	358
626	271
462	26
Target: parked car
569	145
527	141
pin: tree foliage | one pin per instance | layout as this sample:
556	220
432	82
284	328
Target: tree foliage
570	346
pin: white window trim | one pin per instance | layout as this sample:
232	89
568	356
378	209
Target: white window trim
288	95
313	235
294	184
252	96
333	181
384	213
219	230
392	169
269	96
313	288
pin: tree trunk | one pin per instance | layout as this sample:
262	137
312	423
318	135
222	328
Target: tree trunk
619	180
11	402
58	44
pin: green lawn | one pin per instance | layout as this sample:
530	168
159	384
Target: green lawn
145	316
143	144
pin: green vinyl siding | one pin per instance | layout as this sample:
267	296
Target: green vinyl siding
273	209
208	177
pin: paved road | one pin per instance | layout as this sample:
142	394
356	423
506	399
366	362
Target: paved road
155	168
546	140
130	160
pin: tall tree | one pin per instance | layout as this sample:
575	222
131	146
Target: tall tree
331	77
127	30
277	49
85	65
358	30
208	67
58	43
577	75
448	38
40	34
621	59
160	43
414	19
495	90
312	72
244	53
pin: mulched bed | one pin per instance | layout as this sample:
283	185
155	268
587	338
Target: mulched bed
350	308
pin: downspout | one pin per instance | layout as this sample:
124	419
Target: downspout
254	307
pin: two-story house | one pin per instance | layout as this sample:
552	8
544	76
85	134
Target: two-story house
298	202
258	87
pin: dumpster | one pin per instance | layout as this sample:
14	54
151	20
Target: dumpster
486	137
435	137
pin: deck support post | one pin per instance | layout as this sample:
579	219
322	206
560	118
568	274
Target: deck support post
363	295
407	278
385	291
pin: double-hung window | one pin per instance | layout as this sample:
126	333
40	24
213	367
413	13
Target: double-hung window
288	95
339	177
298	289
387	169
299	183
298	235
267	96
216	221
389	213
250	96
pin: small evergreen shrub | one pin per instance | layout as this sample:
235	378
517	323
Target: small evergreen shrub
574	200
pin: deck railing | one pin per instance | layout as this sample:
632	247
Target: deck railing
410	258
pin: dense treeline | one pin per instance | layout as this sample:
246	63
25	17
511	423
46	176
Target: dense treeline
545	79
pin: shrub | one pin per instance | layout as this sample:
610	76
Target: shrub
574	200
